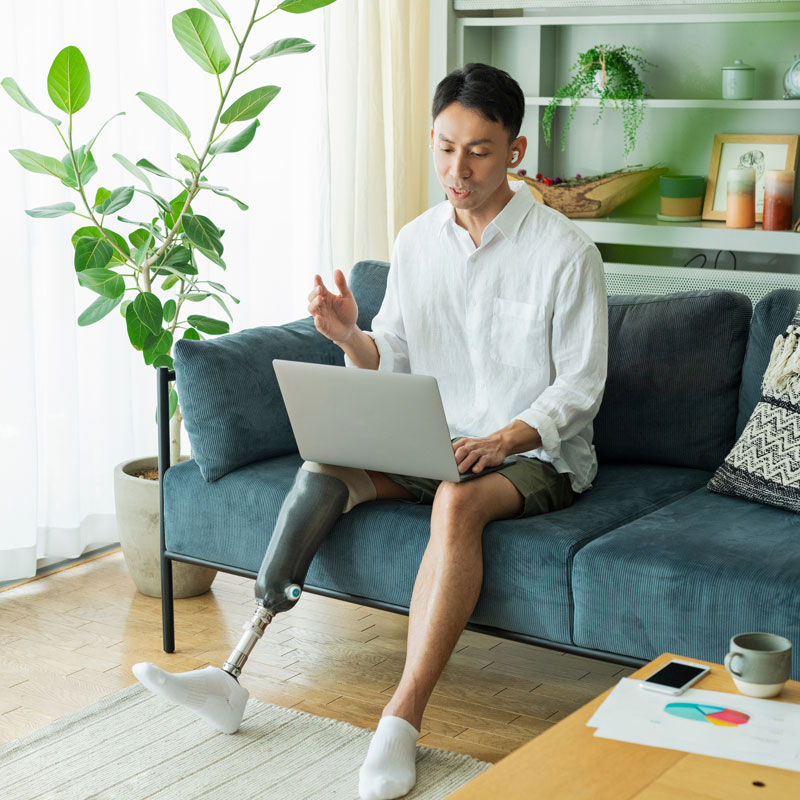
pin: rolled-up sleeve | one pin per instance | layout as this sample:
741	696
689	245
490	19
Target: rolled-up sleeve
579	352
388	329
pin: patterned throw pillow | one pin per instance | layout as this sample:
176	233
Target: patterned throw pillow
764	464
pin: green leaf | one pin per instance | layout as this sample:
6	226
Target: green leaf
215	8
160	201
283	47
242	206
86	165
178	257
173	395
222	305
124	307
50	212
302	6
166	361
94	138
169	310
98	309
196	297
119	199
101	196
36	162
191	333
236	143
102	281
133	169
148	308
166	112
250	104
140	253
188	163
176	204
202	232
91	230
137	330
220	288
10	85
68	81
150	167
212	256
208	324
138	237
91	253
198	36
157	344
170	282
180	272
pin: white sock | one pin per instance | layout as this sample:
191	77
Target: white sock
211	693
389	769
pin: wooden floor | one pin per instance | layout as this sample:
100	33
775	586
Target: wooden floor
70	638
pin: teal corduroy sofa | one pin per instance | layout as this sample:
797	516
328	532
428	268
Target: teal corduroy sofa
648	560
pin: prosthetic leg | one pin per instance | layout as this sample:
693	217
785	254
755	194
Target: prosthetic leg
319	496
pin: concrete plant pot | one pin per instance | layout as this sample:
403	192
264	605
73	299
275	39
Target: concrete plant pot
138	528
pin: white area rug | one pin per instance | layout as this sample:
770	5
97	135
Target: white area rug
133	745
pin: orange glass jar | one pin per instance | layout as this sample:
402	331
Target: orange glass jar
778	194
740	211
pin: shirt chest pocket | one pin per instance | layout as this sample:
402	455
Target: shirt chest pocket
519	334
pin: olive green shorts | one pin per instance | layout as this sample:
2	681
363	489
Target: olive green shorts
542	487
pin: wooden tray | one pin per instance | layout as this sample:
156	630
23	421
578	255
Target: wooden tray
592	199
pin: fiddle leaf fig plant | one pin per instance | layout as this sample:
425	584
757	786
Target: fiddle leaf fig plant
154	268
609	73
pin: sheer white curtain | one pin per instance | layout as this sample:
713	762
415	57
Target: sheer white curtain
77	401
336	168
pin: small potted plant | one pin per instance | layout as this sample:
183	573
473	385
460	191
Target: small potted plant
609	73
156	275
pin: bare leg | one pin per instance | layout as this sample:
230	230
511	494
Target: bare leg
445	593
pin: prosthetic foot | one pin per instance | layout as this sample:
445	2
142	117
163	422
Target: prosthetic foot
318	497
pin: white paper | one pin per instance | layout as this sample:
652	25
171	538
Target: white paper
756	731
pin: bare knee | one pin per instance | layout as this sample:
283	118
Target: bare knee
457	512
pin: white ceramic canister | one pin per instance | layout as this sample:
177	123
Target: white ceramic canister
738	81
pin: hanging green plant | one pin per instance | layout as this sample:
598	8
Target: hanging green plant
609	73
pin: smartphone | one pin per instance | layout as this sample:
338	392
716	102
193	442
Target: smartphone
675	677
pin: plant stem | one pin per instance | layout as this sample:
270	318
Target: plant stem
193	188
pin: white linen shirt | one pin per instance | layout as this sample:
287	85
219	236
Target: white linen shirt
516	328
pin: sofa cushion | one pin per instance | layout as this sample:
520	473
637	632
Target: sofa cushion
527	562
764	465
230	400
771	316
687	577
674	369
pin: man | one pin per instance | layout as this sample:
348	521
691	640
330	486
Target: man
503	301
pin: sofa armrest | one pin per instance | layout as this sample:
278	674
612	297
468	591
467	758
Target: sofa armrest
230	400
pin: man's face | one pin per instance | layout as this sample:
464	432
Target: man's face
471	155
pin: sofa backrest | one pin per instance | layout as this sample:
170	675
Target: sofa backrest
771	317
674	368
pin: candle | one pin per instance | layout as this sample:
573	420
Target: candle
778	192
741	207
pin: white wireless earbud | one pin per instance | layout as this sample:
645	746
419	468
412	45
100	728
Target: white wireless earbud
516	156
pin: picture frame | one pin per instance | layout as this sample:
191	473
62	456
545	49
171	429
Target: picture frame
762	151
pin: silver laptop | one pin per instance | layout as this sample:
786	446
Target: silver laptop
383	421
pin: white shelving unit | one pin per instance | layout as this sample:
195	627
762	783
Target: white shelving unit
537	45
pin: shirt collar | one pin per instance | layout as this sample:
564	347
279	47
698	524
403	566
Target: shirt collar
510	217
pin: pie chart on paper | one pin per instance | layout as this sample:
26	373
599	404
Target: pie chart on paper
716	715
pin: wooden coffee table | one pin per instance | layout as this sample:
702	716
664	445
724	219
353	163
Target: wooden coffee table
569	762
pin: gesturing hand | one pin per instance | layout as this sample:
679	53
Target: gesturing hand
478	454
334	315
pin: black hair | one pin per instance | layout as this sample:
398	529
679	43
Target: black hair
492	92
